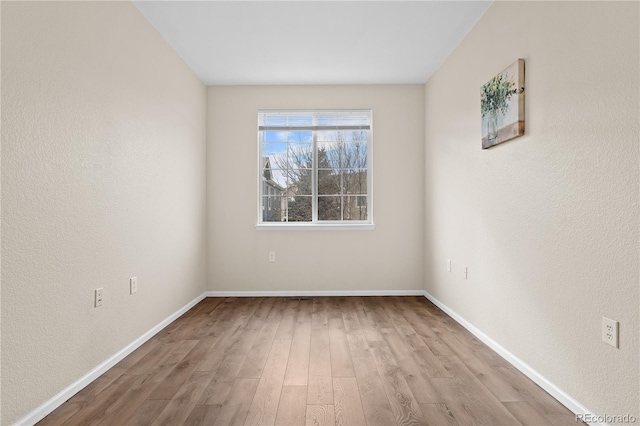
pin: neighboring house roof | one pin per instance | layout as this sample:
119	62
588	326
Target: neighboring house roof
267	174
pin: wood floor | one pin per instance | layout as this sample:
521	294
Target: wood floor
322	361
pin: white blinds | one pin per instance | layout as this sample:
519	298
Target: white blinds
314	120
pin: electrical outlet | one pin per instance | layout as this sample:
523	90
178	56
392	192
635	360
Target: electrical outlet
133	285
465	273
448	265
272	256
610	331
97	298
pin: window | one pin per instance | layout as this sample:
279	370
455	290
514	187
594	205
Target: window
315	169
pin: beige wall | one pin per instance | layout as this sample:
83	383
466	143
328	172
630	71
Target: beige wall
103	178
547	223
387	258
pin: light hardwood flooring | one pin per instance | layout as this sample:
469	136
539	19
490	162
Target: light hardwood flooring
320	361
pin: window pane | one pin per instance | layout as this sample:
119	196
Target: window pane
332	135
329	182
275	179
299	182
272	151
342	136
354	155
299	155
330	155
299	208
329	208
300	136
354	207
349	155
272	209
273	136
354	181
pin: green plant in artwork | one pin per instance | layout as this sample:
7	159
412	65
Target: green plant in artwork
502	106
495	95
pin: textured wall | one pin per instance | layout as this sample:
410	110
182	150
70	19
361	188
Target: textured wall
387	258
547	223
103	178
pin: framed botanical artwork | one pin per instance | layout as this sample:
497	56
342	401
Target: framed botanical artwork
502	106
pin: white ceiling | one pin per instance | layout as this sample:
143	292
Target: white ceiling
313	42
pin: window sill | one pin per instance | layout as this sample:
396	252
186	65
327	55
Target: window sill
315	227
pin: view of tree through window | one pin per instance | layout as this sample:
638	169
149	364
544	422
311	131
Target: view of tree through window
315	166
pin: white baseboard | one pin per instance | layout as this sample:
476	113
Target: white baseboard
288	293
45	409
525	368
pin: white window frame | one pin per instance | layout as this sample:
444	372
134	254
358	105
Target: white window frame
316	224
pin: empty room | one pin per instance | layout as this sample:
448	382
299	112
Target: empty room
320	213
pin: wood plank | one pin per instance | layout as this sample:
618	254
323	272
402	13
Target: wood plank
179	408
236	406
375	404
477	365
320	384
224	376
152	359
320	415
468	399
203	415
396	309
146	414
293	406
372	335
61	415
350	317
320	314
377	312
277	311
526	414
472	404
550	408
297	372
414	374
236	341
437	346
264	406
362	312
341	363
91	414
430	363
185	368
438	415
217	391
404	406
347	403
257	356
305	310
418	325
126	405
140	390
358	345
261	313
288	320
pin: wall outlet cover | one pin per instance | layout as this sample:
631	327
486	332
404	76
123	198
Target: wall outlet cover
610	332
